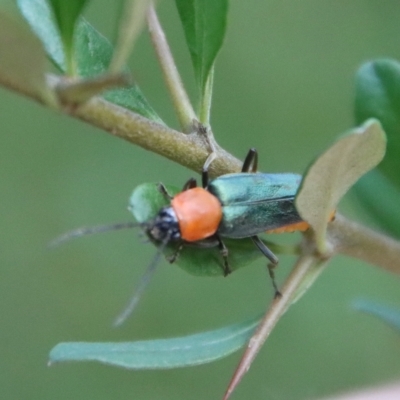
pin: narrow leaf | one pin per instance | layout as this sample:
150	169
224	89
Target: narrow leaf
39	16
94	53
162	353
389	315
66	14
335	171
378	96
204	24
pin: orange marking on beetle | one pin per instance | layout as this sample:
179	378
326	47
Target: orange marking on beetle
301	226
199	213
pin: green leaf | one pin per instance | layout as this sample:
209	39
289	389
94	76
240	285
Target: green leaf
204	24
66	14
22	57
93	54
381	199
92	50
335	171
162	353
39	16
389	315
146	201
378	96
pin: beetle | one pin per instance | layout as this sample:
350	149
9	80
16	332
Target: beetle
238	205
235	206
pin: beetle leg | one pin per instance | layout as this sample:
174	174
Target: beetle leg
204	172
271	272
224	253
204	177
208	135
172	258
265	250
272	257
190	184
163	190
250	163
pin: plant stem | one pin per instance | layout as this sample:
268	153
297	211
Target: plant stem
187	150
278	307
205	101
132	20
70	60
355	240
180	99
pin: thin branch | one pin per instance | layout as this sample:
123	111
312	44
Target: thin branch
130	26
180	99
278	307
188	150
355	240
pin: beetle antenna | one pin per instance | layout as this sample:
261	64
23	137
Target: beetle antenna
90	230
144	281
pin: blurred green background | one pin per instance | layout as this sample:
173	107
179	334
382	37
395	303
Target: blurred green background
283	84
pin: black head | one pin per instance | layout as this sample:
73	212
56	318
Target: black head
164	226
